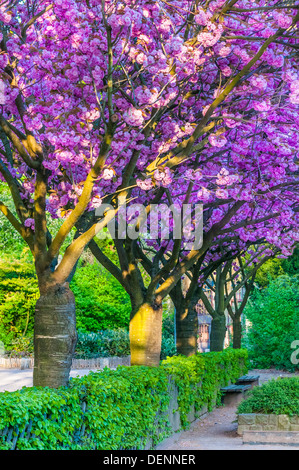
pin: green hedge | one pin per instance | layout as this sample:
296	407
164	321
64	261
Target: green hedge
278	396
115	409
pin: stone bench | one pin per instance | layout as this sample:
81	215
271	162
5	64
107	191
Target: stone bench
251	380
233	394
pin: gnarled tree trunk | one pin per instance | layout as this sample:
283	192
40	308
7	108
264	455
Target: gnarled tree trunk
186	330
218	331
237	332
54	337
146	334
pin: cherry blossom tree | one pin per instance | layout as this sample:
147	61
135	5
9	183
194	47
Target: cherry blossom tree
142	102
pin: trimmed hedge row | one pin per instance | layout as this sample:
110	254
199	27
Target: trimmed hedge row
115	409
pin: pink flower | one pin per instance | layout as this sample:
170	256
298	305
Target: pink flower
217	140
222	193
163	177
203	194
201	17
108	174
283	20
258	82
29	223
222	177
226	71
134	117
145	185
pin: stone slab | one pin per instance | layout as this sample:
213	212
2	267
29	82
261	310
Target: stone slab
271	437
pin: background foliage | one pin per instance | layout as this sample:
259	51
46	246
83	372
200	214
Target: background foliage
101	302
274	316
278	396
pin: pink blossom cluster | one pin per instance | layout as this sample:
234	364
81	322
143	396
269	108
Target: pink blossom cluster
166	72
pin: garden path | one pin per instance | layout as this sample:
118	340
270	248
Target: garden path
218	430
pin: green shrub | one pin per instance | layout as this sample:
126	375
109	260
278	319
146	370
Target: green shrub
103	344
114	409
278	396
18	295
101	302
168	346
274	316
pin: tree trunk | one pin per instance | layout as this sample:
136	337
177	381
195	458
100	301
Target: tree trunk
237	332
146	335
186	330
54	337
218	330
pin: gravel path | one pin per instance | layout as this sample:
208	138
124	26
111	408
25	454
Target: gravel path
14	379
217	430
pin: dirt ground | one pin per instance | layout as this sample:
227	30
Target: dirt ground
215	431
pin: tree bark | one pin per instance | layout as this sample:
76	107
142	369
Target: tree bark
146	334
218	330
54	337
186	330
237	332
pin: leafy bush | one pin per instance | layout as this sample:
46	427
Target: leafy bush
274	316
101	302
168	346
276	267
103	344
114	409
18	295
278	396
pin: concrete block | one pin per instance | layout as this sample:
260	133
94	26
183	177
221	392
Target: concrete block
246	418
273	420
191	414
269	427
241	429
271	437
174	420
294	419
283	422
24	363
202	411
262	419
104	362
